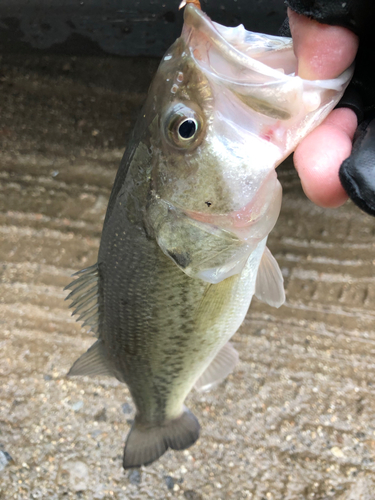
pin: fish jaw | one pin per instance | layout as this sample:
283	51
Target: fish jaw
254	220
259	72
214	247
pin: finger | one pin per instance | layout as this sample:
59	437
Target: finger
322	51
319	156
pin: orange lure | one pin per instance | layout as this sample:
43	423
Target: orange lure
194	2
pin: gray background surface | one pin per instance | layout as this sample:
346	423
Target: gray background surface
122	27
296	419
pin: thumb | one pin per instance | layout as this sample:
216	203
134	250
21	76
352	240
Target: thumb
322	51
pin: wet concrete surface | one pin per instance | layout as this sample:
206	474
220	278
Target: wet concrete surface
296	419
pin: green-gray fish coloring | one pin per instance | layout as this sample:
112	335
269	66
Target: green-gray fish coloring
183	248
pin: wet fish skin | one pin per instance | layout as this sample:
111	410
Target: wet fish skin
183	247
152	333
162	328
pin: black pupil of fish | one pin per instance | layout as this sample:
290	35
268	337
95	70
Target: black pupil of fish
187	129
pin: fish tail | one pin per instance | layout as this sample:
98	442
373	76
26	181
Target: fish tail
146	443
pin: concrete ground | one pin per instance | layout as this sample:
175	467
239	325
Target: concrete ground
296	420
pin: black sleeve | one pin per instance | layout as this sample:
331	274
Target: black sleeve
356	15
357	173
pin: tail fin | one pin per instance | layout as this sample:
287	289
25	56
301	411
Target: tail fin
146	443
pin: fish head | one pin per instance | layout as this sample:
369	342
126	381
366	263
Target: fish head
227	110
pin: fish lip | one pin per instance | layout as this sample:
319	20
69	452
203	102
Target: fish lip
195	18
198	20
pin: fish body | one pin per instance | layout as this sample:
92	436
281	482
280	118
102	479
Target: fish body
183	248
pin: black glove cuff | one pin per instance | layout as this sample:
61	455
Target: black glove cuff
356	15
352	100
357	173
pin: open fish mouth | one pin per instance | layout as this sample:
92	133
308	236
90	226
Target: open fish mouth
259	71
266	57
237	46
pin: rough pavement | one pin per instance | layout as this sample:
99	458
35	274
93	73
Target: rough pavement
296	420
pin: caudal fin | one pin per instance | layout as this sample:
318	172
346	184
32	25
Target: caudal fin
146	443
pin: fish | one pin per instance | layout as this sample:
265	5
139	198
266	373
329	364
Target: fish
183	248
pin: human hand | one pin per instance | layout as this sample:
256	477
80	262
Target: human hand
324	52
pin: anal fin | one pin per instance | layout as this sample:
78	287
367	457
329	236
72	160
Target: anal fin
92	363
269	286
220	367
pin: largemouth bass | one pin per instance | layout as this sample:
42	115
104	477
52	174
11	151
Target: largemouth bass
183	248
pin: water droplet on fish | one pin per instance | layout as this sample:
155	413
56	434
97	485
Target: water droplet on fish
279	134
167	58
311	100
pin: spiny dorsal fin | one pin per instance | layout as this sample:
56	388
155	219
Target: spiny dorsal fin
93	362
269	287
219	368
84	294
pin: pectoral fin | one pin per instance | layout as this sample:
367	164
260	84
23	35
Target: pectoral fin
269	287
219	368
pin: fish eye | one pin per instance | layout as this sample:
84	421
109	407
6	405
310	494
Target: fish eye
187	128
184	126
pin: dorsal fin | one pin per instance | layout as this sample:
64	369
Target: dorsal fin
85	293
